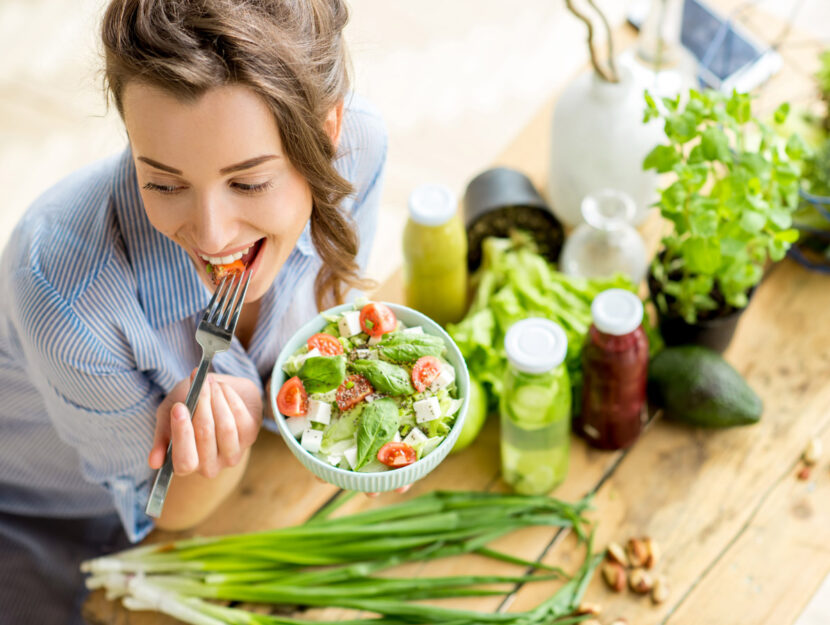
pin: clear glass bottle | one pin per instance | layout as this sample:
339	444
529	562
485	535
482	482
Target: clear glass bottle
435	255
606	243
614	369
535	407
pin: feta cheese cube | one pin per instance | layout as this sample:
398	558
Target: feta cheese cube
349	323
415	436
309	354
351	456
366	354
297	425
397	437
374	340
319	411
427	409
444	379
334	459
311	440
414	330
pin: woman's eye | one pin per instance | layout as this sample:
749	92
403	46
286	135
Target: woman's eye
251	188
162	188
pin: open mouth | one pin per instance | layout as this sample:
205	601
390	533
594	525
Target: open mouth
219	267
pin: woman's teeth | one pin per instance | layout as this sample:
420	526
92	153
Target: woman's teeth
224	260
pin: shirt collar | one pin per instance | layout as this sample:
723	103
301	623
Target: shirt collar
169	288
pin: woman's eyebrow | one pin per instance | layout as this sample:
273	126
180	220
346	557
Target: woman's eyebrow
251	162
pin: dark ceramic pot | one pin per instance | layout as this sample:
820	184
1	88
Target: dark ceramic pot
500	200
715	333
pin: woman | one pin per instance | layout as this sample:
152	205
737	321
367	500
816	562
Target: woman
244	143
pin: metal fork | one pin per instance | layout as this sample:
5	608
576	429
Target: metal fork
214	334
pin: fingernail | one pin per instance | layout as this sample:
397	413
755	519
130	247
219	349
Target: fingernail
179	411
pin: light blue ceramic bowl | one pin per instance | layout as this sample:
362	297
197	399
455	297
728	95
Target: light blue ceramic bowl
385	480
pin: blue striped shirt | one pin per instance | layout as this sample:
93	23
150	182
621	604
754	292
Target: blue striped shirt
98	312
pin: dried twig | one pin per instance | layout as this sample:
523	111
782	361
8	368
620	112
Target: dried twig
610	38
594	57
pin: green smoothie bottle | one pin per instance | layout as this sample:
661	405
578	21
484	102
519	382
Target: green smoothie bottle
435	255
535	407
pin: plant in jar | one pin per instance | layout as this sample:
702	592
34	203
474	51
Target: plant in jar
730	199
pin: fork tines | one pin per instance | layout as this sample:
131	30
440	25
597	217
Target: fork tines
226	303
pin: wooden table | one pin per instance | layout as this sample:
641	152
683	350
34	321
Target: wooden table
743	540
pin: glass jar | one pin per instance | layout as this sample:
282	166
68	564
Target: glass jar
606	243
614	368
435	255
535	407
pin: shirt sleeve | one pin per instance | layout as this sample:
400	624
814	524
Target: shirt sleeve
97	400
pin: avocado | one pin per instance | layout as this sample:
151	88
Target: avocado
695	385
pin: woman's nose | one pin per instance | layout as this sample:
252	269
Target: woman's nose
211	225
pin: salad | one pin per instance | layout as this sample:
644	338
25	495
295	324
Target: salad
369	394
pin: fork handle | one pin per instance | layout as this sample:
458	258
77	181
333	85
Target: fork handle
159	491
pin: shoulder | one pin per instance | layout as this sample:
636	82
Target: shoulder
363	143
67	234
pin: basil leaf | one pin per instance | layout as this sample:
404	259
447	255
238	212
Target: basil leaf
400	347
378	424
321	374
384	376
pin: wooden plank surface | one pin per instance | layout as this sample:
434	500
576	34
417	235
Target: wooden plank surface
743	541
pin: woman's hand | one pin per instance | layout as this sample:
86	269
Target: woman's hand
225	424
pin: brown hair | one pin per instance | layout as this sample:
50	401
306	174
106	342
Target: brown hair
290	52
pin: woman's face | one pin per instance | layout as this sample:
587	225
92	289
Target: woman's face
214	178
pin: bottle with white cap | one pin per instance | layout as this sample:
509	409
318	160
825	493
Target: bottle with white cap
535	407
615	369
435	255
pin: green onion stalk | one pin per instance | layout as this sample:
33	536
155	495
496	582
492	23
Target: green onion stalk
333	562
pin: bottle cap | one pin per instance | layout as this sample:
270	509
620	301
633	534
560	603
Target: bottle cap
432	204
535	345
617	312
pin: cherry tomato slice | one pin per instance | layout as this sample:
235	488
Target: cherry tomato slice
397	454
377	319
220	271
426	369
353	390
292	400
326	344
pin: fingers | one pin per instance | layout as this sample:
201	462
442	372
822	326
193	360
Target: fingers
185	455
161	438
227	436
400	490
247	425
204	431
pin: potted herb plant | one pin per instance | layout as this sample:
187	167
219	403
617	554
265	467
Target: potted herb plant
730	195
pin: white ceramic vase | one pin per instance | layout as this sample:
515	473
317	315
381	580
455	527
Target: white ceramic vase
599	141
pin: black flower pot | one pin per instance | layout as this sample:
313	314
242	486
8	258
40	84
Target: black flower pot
714	333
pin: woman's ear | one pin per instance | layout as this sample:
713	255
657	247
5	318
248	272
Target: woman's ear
334	122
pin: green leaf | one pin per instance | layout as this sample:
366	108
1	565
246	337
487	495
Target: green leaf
787	236
681	127
651	111
702	255
704	223
780	115
402	347
662	158
384	376
796	148
781	217
715	145
378	424
753	221
321	374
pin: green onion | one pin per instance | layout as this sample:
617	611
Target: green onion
333	562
